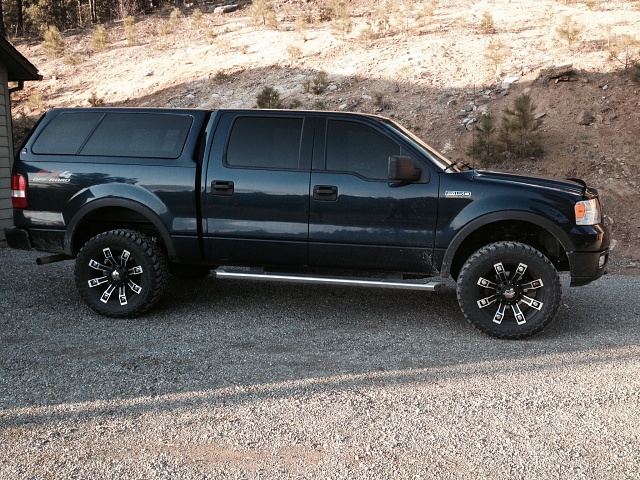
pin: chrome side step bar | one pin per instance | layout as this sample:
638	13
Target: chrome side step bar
362	282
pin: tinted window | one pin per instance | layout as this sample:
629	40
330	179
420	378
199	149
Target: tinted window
265	142
151	135
66	133
358	148
115	135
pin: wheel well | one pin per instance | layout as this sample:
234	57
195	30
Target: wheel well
111	218
517	231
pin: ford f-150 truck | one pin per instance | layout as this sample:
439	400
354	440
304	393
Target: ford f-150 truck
342	198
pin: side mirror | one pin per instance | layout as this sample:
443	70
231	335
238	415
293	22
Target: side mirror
403	169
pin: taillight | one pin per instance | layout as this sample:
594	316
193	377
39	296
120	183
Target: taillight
18	191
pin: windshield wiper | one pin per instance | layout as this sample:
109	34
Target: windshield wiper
460	165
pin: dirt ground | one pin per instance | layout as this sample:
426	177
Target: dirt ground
427	65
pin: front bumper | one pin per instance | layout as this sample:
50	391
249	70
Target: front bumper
587	266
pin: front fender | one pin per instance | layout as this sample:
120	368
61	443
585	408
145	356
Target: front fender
463	233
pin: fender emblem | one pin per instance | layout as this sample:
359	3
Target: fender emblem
47	176
456	193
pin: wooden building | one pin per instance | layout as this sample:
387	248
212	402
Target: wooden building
13	68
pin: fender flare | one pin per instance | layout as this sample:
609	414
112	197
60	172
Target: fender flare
477	223
143	210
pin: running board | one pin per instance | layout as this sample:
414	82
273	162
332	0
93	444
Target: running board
362	282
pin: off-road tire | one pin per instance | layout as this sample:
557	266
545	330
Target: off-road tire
121	273
509	290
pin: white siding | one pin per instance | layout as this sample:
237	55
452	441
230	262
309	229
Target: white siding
6	153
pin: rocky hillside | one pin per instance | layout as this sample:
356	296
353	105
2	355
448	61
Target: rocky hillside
435	66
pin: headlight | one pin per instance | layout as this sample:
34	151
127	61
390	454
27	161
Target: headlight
588	212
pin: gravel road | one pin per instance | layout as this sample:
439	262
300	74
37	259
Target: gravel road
230	379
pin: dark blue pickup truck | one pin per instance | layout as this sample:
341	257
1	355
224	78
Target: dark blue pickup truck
342	198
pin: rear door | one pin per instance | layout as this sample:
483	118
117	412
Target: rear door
256	205
360	219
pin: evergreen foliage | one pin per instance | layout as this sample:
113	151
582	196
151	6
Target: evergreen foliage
100	40
485	147
131	31
518	136
520	129
30	18
53	44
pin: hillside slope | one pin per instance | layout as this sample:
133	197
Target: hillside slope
427	67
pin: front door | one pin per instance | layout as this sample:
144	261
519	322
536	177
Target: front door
359	218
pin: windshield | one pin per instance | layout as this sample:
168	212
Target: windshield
430	152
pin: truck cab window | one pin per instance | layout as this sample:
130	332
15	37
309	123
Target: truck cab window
264	142
358	148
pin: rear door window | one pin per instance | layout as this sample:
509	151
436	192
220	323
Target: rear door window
265	142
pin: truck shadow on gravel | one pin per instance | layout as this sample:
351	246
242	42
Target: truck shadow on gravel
221	342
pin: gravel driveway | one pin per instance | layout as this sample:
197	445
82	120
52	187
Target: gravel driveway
230	379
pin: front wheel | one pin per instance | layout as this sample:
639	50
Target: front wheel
120	273
509	290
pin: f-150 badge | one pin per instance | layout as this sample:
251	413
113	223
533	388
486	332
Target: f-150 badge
456	193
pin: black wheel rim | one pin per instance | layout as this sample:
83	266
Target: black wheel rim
115	272
510	293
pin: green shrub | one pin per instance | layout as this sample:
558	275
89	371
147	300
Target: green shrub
318	85
341	22
74	59
319	105
634	72
569	31
625	50
496	54
163	29
36	102
264	13
380	102
294	52
95	101
268	98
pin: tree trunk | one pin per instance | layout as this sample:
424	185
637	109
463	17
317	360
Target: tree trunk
2	32
19	19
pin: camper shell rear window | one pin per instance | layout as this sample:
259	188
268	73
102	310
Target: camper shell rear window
144	135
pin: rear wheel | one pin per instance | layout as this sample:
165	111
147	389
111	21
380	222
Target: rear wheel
120	273
509	290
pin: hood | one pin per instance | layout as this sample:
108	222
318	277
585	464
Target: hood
572	185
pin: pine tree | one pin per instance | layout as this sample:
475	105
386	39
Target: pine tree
484	148
520	130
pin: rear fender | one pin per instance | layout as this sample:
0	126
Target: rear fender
130	197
